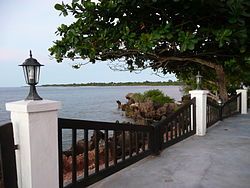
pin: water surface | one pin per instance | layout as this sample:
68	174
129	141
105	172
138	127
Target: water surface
89	103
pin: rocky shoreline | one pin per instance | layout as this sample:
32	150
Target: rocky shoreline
145	110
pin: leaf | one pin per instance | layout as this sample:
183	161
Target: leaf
169	36
232	20
222	36
190	46
245	14
242	49
183	47
59	7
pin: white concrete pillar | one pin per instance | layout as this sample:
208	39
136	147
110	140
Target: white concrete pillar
243	100
36	134
201	111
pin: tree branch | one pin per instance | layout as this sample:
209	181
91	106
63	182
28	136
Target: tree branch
190	59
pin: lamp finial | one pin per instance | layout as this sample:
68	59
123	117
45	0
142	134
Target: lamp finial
30	54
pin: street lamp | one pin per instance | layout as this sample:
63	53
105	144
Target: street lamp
220	103
198	81
241	85
31	69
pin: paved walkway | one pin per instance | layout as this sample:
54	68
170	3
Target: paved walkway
221	159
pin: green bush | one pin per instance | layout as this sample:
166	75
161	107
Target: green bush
161	99
152	93
138	97
155	95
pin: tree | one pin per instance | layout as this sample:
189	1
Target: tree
175	36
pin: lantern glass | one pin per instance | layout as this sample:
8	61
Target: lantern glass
31	74
198	81
219	102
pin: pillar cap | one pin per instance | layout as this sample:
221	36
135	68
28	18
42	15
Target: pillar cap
33	106
241	90
198	92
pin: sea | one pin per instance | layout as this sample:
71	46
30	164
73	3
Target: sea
86	103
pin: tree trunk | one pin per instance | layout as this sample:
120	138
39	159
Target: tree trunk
221	83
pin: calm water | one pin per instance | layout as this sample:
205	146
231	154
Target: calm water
88	103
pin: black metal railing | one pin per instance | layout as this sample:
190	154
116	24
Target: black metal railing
232	106
114	146
178	126
8	174
216	112
213	112
248	99
111	147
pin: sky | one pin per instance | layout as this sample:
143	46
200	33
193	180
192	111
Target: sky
31	25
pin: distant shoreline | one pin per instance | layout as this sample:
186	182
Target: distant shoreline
146	83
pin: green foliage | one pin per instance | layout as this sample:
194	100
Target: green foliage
187	41
138	97
155	95
152	93
222	36
149	33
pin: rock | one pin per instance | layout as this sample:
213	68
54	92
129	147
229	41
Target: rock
129	96
79	162
127	143
119	104
67	164
147	109
80	146
97	135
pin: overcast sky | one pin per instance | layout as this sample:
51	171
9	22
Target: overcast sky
31	24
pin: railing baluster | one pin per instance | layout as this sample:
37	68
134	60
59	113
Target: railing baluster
189	121
60	157
143	141
171	129
115	147
181	123
96	152
136	143
123	146
74	170
185	120
130	144
86	152
147	141
167	130
188	115
180	118
189	118
106	149
208	113
176	126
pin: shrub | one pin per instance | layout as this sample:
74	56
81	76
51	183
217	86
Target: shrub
138	97
155	95
152	93
161	99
